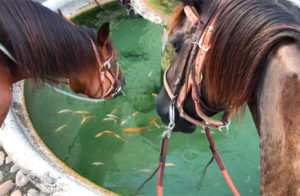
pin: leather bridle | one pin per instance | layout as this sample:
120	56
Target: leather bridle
192	85
105	73
195	64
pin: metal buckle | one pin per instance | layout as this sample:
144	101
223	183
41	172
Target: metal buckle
107	63
200	43
171	125
226	127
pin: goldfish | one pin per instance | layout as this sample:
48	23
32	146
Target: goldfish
135	113
153	122
154	94
115	110
123	122
65	111
82	112
110	119
60	128
112	116
98	164
85	119
135	130
110	133
169	165
145	170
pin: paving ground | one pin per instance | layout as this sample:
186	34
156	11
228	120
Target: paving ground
12	180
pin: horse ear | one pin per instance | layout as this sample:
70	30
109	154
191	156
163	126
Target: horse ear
103	35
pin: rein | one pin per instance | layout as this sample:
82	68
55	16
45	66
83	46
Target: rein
192	84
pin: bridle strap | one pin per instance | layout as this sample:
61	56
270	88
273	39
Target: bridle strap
161	166
220	163
104	74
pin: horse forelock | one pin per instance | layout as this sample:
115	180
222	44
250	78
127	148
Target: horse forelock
44	45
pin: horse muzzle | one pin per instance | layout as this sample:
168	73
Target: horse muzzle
162	107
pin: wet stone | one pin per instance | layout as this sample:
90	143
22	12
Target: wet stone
13	169
32	192
5	187
21	179
16	193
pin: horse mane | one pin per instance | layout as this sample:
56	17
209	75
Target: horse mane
42	43
246	32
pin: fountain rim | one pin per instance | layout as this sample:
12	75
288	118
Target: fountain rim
47	171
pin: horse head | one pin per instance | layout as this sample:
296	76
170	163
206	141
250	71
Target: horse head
176	47
104	78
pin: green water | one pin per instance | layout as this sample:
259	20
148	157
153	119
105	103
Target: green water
138	43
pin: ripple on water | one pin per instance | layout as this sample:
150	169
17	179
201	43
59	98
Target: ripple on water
189	154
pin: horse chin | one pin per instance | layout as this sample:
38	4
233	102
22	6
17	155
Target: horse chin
162	108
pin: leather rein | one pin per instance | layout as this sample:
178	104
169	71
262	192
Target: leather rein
192	84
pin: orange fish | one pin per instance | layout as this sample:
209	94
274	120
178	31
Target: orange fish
110	133
153	122
135	130
135	113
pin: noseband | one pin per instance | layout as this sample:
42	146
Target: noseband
105	73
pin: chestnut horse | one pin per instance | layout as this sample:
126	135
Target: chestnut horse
253	60
37	43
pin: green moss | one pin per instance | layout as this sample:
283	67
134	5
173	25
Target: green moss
165	6
97	16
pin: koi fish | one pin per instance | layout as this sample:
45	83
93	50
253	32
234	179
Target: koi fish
154	94
98	164
150	74
60	128
135	130
65	111
145	170
82	112
110	133
115	110
169	165
110	119
123	122
153	122
135	113
112	116
85	119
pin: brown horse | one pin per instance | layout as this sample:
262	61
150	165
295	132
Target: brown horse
253	60
37	43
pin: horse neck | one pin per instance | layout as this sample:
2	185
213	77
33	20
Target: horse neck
276	112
